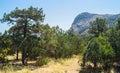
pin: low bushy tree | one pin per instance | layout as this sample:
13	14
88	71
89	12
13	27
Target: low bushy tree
5	46
114	38
99	51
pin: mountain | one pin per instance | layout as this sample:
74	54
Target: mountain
83	21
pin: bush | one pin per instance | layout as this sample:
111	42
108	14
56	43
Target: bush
3	54
42	61
36	52
100	51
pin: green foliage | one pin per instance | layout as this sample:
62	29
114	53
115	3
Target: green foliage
42	61
47	40
114	38
69	43
27	20
99	50
36	52
98	26
3	54
5	47
118	24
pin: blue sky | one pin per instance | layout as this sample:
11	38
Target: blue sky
61	12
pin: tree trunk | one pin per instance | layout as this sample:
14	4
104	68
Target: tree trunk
24	52
95	65
55	54
24	57
17	54
95	68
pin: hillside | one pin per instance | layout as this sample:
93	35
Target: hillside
83	21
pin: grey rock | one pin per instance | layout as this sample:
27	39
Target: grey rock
84	20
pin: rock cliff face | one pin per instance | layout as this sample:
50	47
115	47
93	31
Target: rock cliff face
84	20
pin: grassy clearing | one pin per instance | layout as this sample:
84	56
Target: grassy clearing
14	69
60	66
13	57
69	65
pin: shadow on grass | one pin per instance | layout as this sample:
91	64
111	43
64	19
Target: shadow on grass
117	69
90	70
17	66
113	69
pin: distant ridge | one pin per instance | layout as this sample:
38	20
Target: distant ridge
83	21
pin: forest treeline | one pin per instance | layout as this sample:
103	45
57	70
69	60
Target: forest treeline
33	39
37	41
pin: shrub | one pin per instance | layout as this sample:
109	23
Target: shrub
100	51
42	61
3	54
36	52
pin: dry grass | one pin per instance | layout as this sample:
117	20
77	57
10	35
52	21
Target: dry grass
14	69
14	57
69	65
60	66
